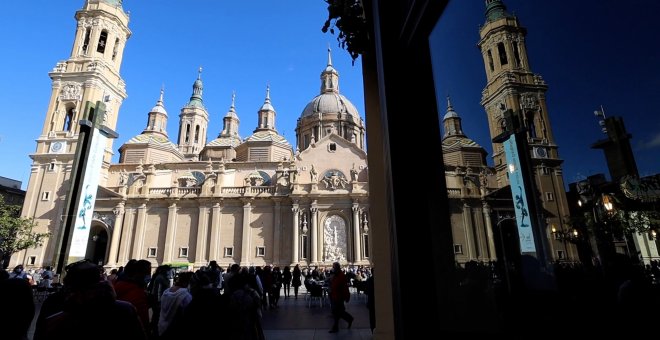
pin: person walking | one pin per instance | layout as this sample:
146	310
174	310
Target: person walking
338	295
286	281
296	280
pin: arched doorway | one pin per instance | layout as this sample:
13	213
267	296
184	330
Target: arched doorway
97	244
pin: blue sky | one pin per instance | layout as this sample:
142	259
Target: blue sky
589	52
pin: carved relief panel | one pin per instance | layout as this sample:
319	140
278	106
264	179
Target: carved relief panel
335	240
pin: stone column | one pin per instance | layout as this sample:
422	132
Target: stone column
215	232
357	251
139	231
315	233
467	223
245	245
116	234
489	231
202	229
170	233
277	230
295	248
125	245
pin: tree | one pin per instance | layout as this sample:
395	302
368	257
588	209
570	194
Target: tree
16	232
348	17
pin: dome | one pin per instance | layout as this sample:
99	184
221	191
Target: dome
116	3
450	114
228	141
330	102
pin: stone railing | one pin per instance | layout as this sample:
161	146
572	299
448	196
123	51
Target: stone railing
453	192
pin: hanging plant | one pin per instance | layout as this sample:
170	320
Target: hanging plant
347	16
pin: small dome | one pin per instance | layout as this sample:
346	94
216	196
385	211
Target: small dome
330	102
450	114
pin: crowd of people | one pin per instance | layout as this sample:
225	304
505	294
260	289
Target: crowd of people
165	303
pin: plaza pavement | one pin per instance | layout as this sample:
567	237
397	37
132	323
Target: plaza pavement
295	319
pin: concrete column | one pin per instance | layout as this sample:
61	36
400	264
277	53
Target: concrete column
116	234
295	248
492	255
202	242
315	233
277	231
215	232
170	233
139	232
126	236
245	246
357	251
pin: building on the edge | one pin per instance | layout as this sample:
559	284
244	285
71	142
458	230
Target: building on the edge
252	201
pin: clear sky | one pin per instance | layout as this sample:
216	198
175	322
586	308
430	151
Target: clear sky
589	52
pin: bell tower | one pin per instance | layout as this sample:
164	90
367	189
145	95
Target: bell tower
511	85
90	74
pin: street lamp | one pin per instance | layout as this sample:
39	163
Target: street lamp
608	202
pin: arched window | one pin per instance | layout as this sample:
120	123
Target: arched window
68	119
516	54
502	54
490	61
187	137
115	49
531	126
103	40
86	41
197	134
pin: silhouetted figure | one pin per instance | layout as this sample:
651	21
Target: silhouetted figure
17	309
89	302
296	280
338	295
371	305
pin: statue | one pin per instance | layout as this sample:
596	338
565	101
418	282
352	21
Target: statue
123	177
354	174
314	175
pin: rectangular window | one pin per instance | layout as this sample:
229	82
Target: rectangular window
549	196
45	196
332	147
103	39
365	239
31	260
458	249
502	54
51	166
151	252
304	248
229	251
261	251
490	61
183	252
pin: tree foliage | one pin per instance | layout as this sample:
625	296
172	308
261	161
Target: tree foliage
16	232
348	17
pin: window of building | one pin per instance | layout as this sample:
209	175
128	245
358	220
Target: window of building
304	251
490	61
151	252
549	196
86	41
103	39
31	260
45	196
502	54
115	49
365	240
183	252
458	249
561	255
305	141
545	170
531	126
68	120
516	54
261	251
332	147
187	136
51	166
197	134
229	251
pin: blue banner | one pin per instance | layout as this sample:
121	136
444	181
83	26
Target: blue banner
519	197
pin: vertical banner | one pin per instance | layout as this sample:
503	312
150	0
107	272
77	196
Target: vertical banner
87	197
519	197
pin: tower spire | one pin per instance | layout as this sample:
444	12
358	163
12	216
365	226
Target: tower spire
329	56
495	9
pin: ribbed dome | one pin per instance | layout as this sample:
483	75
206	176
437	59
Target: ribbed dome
330	102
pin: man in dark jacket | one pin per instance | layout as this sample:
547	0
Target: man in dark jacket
338	295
